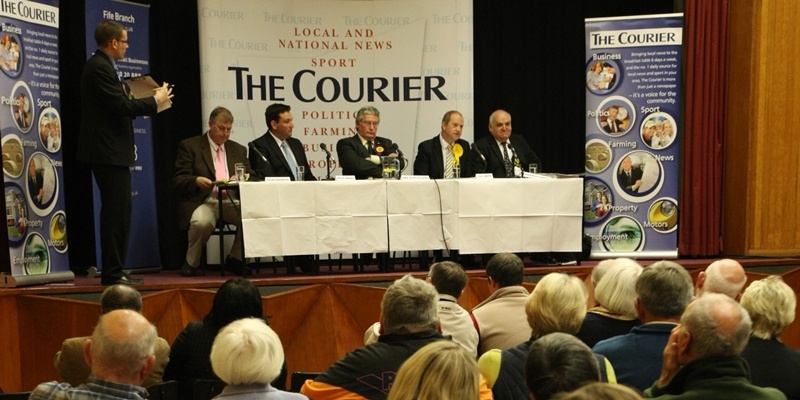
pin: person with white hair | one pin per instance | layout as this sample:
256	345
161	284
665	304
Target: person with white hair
615	313
247	355
771	304
724	276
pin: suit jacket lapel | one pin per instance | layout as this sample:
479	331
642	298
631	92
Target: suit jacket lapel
437	169
205	154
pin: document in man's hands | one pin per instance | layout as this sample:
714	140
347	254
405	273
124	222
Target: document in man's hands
144	86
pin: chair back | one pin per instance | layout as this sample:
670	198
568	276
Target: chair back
300	377
207	389
15	395
163	391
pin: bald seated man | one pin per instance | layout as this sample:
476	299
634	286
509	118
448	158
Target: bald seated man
120	355
69	361
724	276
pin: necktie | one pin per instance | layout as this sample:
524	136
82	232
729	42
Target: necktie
507	161
289	160
613	126
219	165
370	149
448	168
221	170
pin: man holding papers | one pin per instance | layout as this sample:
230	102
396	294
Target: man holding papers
106	142
202	161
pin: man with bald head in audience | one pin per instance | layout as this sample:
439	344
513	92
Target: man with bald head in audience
120	354
724	276
70	362
701	359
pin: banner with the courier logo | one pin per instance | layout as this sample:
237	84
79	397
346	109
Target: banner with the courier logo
326	59
633	116
30	121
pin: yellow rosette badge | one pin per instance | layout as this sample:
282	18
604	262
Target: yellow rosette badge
458	151
379	149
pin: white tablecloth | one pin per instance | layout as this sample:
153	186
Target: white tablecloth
472	215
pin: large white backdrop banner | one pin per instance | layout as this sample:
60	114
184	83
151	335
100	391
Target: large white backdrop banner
326	59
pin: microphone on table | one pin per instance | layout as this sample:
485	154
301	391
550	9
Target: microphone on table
254	148
483	159
324	148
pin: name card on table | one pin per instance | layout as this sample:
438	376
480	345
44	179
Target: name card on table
415	178
535	176
484	176
345	177
277	179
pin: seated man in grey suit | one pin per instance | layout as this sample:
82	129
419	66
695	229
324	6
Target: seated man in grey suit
360	155
502	154
277	153
70	362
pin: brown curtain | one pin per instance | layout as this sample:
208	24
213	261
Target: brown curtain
705	75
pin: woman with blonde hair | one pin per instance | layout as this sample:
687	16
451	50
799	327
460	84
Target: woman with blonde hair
557	304
441	370
615	294
771	304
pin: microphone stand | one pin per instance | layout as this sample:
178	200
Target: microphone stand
328	166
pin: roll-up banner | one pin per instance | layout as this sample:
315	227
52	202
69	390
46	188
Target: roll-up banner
326	59
633	115
143	247
30	120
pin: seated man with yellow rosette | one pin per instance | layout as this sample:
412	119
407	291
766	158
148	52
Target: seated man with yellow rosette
437	157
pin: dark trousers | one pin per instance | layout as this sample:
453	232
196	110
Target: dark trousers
114	183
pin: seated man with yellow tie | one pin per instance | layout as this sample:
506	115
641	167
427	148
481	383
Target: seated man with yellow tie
202	161
277	153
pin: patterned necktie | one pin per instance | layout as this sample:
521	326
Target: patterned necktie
449	162
507	161
289	159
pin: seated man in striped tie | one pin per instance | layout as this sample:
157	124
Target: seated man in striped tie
202	161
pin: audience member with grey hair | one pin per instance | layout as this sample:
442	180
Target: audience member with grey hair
500	319
701	359
120	355
70	361
247	355
558	363
409	321
615	313
663	290
724	276
449	279
600	391
771	304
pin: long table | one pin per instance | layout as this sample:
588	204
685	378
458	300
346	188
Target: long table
472	215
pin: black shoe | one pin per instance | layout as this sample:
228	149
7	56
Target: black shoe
124	280
237	267
188	270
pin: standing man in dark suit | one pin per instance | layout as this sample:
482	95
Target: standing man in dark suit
201	161
276	152
106	142
436	158
501	154
360	154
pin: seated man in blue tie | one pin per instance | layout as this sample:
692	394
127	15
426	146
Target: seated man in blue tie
277	153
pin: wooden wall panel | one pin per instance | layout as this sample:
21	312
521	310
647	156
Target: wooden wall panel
762	159
10	371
